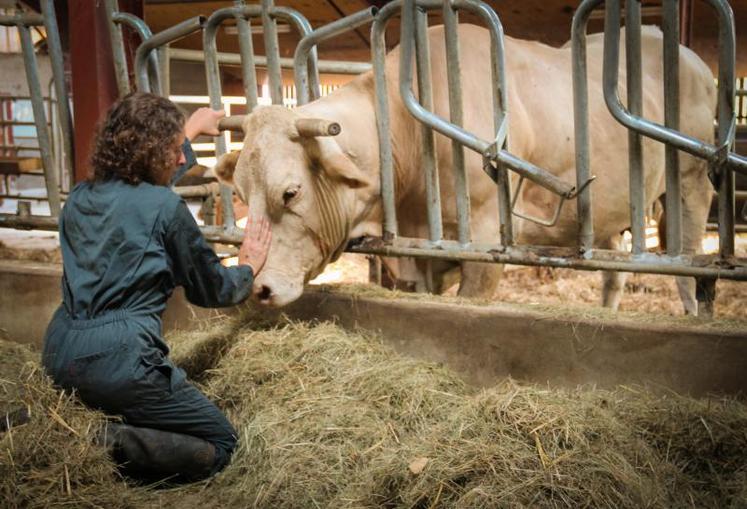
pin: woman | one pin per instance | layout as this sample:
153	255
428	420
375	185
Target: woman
127	241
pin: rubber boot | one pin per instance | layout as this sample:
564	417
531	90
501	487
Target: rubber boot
149	454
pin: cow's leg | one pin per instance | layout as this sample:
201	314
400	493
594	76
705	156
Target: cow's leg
436	276
479	279
613	282
696	202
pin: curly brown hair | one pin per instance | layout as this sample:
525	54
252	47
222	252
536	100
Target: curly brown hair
137	141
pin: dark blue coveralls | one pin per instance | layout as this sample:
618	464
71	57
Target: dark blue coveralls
125	248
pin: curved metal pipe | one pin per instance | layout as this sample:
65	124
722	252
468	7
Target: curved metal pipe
301	56
167	36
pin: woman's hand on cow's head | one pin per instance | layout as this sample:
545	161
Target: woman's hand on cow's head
203	121
256	244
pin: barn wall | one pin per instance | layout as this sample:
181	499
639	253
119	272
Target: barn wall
13	75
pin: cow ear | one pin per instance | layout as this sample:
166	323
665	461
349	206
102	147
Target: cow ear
339	166
226	166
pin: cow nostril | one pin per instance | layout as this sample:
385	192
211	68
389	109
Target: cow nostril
264	294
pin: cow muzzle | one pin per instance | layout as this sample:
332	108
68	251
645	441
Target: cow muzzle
274	290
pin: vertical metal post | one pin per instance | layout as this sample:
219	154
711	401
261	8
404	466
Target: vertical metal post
40	118
635	106
386	161
118	49
212	73
726	125
455	112
248	69
164	74
432	188
303	27
272	52
64	117
581	124
671	57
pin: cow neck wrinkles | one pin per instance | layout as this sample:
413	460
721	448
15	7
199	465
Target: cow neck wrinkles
334	220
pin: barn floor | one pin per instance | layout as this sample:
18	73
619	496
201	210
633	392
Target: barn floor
332	418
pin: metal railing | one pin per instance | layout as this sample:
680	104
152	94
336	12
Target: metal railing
498	162
22	21
675	263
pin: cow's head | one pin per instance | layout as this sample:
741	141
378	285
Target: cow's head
293	172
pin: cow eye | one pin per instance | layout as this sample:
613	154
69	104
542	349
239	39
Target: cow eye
289	194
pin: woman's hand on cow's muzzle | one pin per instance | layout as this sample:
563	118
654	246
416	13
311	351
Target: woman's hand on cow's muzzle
256	244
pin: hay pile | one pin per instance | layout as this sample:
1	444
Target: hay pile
329	418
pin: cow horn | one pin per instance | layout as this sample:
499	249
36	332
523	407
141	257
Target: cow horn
232	123
308	127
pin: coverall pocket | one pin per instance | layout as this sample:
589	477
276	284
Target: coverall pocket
104	379
158	371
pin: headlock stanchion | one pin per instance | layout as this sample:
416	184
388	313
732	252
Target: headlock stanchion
497	160
311	39
723	162
137	25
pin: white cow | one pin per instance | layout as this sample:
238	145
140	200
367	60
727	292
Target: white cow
319	192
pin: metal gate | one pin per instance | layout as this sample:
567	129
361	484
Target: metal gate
498	161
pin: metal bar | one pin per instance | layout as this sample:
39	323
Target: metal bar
167	36
386	161
44	223
322	33
635	143
65	117
738	228
500	108
215	92
19	123
272	52
656	131
487	149
325	66
671	56
143	31
40	118
24	18
303	27
248	69
118	49
581	123
726	121
164	67
428	149
456	116
596	259
22	147
198	191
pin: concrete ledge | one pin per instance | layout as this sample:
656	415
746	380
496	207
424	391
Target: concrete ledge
488	343
483	343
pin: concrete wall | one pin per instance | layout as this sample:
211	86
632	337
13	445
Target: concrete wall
483	343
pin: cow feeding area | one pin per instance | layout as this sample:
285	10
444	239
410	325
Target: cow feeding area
330	418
